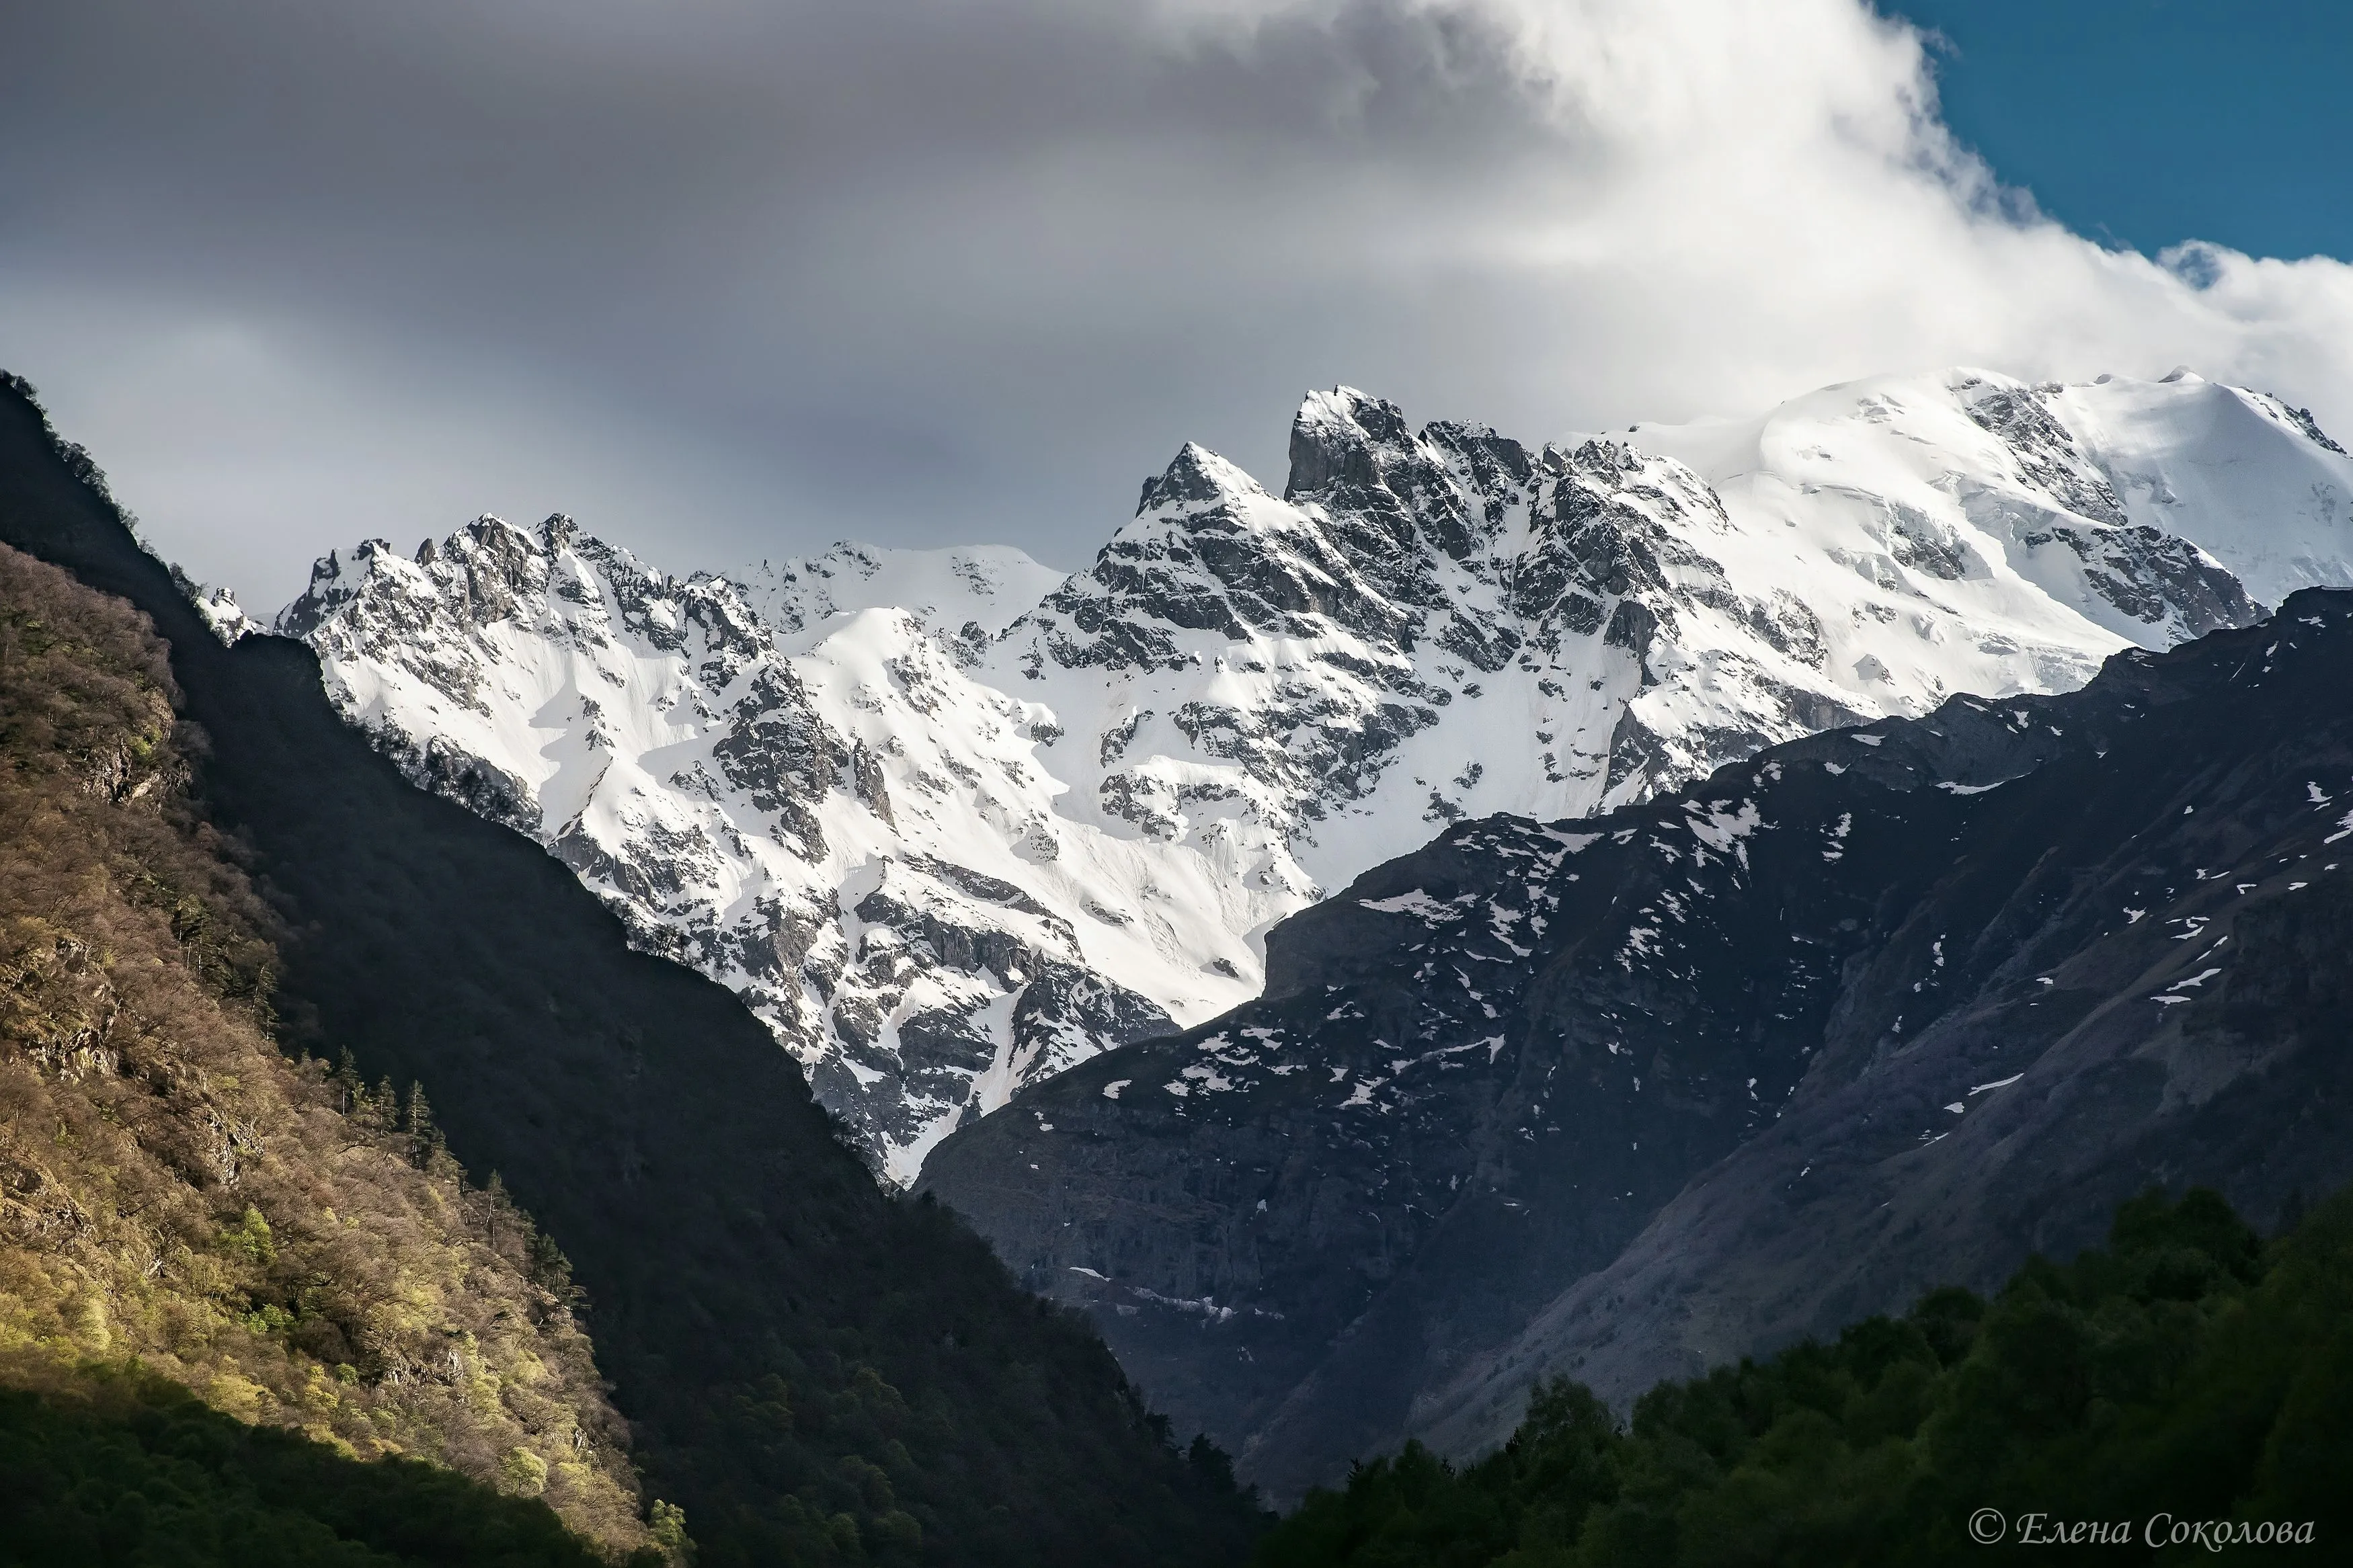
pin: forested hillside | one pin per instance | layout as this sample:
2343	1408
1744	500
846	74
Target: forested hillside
119	1467
2186	1379
282	1241
818	1373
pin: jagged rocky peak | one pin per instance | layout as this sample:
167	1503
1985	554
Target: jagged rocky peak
443	610
1484	463
1346	443
839	824
1458	490
1606	522
490	559
1209	551
223	615
1195	478
1247	699
1356	459
1369	509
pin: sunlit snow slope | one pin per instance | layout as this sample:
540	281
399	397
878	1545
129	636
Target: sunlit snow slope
950	822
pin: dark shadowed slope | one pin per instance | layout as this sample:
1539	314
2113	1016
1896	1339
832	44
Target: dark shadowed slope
177	1195
814	1371
1627	1096
128	1467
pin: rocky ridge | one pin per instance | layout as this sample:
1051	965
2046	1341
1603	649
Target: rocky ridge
872	884
1630	1095
952	823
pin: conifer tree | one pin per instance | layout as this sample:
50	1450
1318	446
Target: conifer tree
349	1090
551	1271
428	1148
495	1207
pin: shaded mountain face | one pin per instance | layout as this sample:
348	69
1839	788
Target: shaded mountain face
949	823
1623	1097
179	1192
815	1370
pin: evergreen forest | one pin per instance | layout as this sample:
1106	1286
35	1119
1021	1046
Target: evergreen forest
2189	1375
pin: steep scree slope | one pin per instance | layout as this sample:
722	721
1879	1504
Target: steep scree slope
1879	1009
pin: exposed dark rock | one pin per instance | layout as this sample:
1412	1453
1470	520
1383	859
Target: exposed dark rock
1627	1096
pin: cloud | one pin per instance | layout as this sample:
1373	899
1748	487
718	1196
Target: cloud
729	279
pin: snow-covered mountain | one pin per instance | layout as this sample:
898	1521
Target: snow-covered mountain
856	836
1631	1098
950	823
223	615
965	596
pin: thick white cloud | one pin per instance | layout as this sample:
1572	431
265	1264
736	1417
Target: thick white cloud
726	278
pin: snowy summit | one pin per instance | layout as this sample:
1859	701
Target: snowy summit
950	822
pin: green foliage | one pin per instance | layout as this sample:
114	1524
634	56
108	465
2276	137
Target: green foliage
172	1187
249	1238
124	1470
669	1522
2185	1369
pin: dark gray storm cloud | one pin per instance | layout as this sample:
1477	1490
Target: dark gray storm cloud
727	278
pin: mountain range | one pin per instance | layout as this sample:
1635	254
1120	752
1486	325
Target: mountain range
1860	846
1629	1097
951	822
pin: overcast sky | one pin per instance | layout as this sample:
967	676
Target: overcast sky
727	278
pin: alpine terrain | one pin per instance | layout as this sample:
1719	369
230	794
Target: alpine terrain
215	874
950	823
1629	1097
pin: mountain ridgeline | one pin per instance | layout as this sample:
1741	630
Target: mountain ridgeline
817	1371
1759	980
949	822
1625	1098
